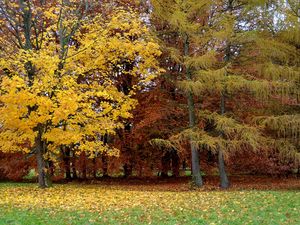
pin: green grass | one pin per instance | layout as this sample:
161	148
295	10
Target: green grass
96	204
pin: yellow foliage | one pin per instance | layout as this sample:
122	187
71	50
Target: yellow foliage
72	96
100	198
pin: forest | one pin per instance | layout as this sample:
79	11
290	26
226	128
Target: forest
190	94
123	88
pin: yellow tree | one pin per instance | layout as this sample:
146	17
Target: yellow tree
59	88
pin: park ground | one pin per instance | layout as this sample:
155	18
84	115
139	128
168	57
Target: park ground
250	200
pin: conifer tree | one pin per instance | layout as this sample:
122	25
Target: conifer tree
221	46
278	63
182	22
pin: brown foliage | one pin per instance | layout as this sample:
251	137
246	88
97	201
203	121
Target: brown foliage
14	166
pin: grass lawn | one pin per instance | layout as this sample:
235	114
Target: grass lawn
117	204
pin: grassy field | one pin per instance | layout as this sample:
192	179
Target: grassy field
117	204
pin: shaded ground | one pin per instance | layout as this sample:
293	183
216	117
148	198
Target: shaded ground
210	183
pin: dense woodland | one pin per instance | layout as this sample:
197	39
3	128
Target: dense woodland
101	88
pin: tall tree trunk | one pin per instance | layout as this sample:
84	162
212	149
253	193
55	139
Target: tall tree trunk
43	177
196	175
224	182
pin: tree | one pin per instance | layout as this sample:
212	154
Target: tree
279	64
183	22
62	93
238	48
216	51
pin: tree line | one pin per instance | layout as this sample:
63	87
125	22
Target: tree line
146	87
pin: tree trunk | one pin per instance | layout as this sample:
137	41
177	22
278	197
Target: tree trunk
127	170
51	168
43	175
67	163
184	165
224	182
41	168
104	166
196	175
94	168
73	164
210	158
140	171
74	172
84	169
175	163
165	165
